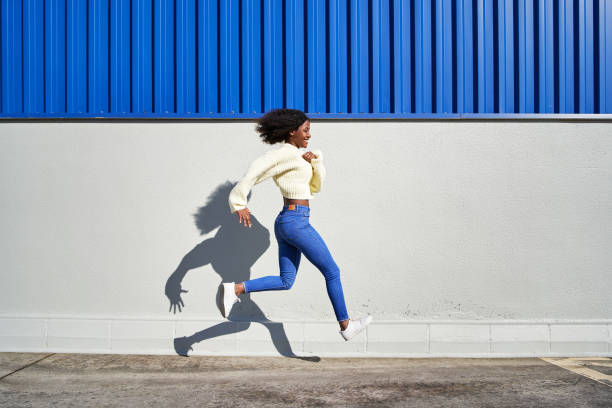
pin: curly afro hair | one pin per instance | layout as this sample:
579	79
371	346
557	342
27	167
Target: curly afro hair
275	125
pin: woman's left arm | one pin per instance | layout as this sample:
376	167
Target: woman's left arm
318	172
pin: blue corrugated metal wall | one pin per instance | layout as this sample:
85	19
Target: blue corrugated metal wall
338	58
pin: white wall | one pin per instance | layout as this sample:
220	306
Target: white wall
458	220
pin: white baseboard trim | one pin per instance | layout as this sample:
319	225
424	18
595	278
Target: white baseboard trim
383	338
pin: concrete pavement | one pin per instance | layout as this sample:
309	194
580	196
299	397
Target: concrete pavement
107	380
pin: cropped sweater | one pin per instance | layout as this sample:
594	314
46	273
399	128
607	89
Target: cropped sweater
295	177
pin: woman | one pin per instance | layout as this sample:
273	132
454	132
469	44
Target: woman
298	176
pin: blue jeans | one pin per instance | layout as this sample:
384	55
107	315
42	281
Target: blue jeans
295	236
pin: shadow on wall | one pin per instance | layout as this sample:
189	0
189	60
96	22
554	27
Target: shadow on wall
231	253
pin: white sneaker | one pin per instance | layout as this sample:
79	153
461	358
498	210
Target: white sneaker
355	327
226	297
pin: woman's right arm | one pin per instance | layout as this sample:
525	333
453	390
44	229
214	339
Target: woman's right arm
262	168
318	172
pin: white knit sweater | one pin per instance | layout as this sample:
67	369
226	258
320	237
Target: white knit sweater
295	177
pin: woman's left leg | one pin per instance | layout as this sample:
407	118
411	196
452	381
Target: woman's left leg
288	262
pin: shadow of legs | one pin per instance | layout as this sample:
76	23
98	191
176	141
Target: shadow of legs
182	345
281	342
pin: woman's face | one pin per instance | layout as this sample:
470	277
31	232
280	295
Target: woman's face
301	135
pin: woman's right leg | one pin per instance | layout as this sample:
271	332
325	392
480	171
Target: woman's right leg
311	244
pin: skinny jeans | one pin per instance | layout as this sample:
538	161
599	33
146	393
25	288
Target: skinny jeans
295	236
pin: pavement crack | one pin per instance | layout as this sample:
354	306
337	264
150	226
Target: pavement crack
26	366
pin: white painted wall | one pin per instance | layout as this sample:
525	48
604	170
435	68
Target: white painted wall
455	220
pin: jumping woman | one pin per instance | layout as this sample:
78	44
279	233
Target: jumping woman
298	176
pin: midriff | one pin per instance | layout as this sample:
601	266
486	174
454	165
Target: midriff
287	201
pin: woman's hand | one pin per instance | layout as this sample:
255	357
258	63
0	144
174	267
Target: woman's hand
244	215
309	155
